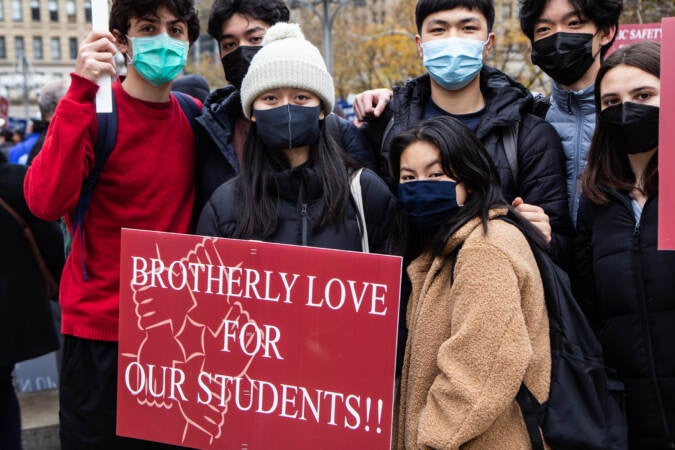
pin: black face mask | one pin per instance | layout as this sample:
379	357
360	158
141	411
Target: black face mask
565	57
634	127
428	204
235	64
288	126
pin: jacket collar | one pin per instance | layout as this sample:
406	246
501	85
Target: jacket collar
300	183
582	100
459	236
427	263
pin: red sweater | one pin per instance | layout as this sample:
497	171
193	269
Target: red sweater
147	183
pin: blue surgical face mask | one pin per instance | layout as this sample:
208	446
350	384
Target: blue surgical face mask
288	126
453	62
159	59
428	204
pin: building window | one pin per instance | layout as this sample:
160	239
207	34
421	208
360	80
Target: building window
56	48
71	11
507	10
87	10
37	48
35	10
72	47
17	14
19	47
2	10
3	48
53	10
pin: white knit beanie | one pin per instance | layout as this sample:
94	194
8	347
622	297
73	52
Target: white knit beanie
287	59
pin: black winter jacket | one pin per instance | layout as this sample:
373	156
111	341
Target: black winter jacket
299	190
541	162
216	160
26	327
627	287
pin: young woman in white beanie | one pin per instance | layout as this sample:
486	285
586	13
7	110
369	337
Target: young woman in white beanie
294	184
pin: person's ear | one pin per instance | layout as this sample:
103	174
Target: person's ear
252	116
418	44
489	45
606	35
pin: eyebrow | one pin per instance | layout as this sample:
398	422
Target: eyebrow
567	16
248	32
632	91
431	164
464	21
155	19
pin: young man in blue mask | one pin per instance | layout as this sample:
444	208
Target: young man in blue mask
239	27
454	38
146	183
569	40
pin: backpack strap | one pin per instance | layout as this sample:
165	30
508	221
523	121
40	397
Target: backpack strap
510	141
105	143
529	406
189	107
355	188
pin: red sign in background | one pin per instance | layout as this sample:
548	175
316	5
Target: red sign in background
248	345
667	138
632	33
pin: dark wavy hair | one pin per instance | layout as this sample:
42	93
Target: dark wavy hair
607	168
603	13
122	11
268	11
425	8
257	191
464	159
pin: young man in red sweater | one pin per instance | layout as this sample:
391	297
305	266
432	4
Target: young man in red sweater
147	182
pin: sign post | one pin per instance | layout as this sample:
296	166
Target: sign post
235	344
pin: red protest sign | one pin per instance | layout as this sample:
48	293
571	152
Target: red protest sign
243	344
632	33
666	238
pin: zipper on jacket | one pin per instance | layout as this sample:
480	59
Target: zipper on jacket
577	161
304	217
645	321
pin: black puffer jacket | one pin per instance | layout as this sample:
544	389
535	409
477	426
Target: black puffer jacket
216	159
299	190
26	327
628	288
541	162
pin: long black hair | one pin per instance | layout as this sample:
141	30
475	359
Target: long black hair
464	159
258	195
606	168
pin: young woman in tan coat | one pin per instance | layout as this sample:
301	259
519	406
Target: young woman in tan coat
476	318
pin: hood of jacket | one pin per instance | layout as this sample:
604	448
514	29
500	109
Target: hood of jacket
506	100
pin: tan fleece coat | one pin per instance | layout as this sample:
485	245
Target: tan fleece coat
472	342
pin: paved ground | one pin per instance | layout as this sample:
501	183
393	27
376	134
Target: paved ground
40	420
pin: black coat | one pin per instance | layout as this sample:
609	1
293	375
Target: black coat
627	287
26	327
216	159
299	190
541	162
